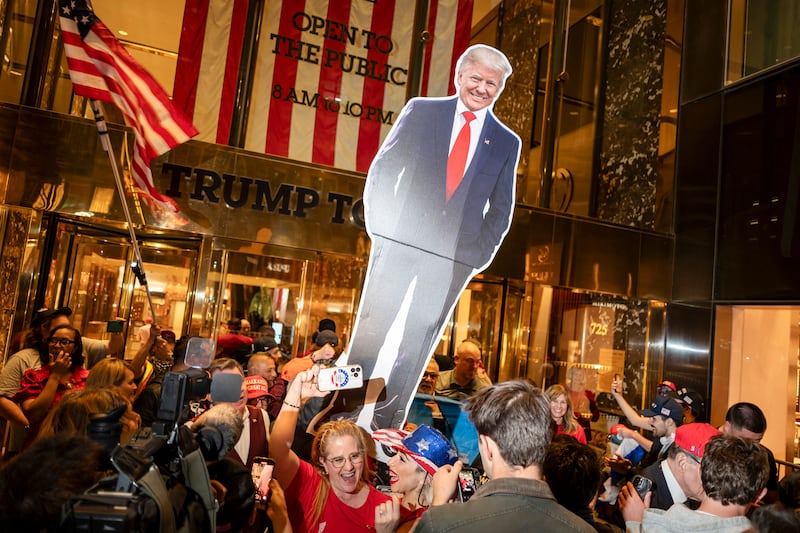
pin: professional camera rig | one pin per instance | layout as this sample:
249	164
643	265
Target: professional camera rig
161	481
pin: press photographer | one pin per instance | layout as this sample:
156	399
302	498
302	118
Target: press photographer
161	478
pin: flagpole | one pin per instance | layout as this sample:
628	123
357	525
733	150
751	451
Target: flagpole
136	265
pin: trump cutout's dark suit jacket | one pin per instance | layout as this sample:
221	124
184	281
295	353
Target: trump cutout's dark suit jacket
424	249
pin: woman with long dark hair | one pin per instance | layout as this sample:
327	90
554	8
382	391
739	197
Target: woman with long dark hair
415	458
62	370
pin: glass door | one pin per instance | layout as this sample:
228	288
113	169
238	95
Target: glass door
290	290
264	290
89	271
477	316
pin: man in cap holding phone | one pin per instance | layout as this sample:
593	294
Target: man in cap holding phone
323	352
676	478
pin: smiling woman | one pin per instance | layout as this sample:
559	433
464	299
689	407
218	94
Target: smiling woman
562	414
333	489
62	370
417	456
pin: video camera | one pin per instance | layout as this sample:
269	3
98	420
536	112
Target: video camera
162	482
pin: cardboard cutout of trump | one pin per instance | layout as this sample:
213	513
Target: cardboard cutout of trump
438	202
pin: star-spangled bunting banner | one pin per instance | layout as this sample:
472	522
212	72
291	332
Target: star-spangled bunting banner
101	68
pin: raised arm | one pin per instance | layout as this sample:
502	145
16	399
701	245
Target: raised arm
138	361
630	413
302	388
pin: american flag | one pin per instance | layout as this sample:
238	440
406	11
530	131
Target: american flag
318	92
101	68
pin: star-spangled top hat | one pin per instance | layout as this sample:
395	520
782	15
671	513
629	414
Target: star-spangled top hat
426	445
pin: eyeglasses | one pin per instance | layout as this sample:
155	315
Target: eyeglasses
432	375
62	342
354	458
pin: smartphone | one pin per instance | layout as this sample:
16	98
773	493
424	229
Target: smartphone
262	473
340	377
115	326
466	484
642	485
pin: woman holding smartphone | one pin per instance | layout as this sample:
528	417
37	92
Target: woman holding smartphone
417	456
333	490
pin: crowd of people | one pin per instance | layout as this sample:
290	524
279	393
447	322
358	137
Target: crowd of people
534	465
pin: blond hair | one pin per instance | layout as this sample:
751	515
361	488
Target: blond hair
319	451
74	412
569	423
108	372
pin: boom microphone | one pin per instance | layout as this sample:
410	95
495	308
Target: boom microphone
218	430
226	387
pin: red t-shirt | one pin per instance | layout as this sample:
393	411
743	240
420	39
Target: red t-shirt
33	382
337	517
578	434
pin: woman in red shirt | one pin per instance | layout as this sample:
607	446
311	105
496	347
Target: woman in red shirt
562	413
62	370
332	493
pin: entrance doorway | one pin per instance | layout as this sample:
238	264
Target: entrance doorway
290	290
756	358
89	271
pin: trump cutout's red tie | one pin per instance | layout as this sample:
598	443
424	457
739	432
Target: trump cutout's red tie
458	156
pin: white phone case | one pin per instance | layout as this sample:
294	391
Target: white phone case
340	377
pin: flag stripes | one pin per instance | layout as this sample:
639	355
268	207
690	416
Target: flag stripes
101	68
320	92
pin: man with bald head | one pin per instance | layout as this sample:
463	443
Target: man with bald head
262	364
464	380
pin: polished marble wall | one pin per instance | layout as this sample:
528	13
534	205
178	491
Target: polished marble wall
628	171
14	228
519	40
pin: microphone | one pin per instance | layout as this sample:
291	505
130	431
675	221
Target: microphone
226	387
218	430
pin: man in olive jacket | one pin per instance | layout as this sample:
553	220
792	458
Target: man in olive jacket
513	423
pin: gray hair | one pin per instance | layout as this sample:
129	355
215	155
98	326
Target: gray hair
481	54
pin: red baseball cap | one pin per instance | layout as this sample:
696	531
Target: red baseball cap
694	437
613	433
668	384
257	387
